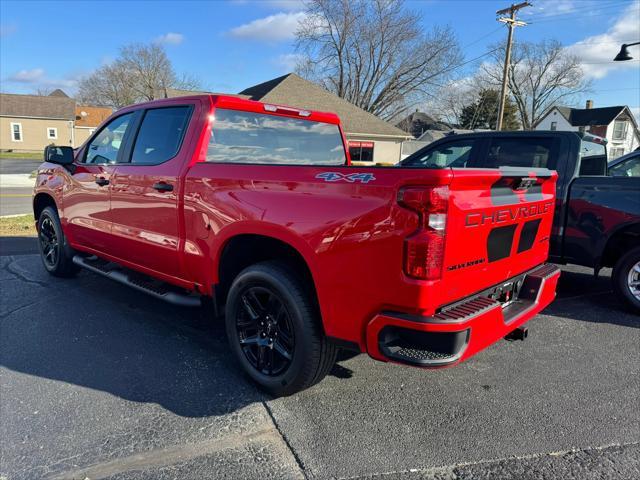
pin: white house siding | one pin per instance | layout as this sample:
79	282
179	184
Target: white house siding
555	116
629	144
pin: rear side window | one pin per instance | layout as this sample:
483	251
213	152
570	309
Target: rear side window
455	154
245	137
521	152
160	135
593	158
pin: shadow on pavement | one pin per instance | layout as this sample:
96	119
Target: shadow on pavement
582	296
96	334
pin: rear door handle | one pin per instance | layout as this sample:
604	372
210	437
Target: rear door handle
163	187
102	181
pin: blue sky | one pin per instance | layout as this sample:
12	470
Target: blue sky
229	45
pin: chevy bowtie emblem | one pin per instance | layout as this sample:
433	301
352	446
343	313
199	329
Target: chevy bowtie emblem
526	183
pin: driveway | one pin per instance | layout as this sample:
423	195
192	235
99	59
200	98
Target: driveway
99	381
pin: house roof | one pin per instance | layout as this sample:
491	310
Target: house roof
90	116
14	105
585	117
295	91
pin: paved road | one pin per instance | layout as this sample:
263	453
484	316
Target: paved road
99	381
18	165
15	201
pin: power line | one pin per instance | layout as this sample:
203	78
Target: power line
570	13
592	14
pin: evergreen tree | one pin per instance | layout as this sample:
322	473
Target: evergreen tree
483	113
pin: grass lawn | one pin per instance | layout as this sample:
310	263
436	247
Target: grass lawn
20	226
22	155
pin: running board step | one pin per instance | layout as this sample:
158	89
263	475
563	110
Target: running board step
138	281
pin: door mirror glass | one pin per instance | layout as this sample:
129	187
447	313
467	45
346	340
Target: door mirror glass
59	155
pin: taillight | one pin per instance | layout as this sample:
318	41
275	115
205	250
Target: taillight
424	250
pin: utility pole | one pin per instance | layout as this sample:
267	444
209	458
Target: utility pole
511	22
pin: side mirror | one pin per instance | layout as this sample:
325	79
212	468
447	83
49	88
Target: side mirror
59	155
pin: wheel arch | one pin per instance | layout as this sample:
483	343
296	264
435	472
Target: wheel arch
41	201
624	238
245	249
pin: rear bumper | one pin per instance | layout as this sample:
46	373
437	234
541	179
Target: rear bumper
461	330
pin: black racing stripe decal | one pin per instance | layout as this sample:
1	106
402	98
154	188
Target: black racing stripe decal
502	192
499	242
528	235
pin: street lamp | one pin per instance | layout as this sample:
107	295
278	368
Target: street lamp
624	53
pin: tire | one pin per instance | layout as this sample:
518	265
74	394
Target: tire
55	253
269	315
626	278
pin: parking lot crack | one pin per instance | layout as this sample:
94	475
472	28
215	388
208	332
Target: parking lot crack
448	472
285	440
11	268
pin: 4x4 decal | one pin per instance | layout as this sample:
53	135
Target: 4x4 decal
347	177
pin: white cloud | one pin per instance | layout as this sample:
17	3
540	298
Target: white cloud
288	61
636	113
27	76
37	77
170	38
278	27
597	52
542	8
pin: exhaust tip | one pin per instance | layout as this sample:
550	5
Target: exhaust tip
520	333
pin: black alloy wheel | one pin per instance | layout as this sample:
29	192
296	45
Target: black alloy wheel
56	254
275	329
265	331
49	243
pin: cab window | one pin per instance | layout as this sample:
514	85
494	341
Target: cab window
105	146
521	152
454	154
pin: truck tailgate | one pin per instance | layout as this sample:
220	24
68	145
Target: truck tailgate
498	226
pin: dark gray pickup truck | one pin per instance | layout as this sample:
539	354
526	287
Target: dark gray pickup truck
597	216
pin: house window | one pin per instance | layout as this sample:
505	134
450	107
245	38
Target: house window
616	152
52	133
620	130
554	126
361	151
16	132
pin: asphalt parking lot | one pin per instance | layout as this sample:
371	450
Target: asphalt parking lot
99	381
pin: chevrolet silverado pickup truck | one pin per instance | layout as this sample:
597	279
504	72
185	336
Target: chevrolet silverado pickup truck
255	208
597	211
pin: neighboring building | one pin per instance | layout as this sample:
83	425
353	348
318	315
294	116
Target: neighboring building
370	138
87	118
616	124
30	122
417	123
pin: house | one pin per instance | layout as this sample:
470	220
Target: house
87	118
370	138
30	122
417	123
616	124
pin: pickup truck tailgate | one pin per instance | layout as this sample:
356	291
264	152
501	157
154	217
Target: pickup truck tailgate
498	226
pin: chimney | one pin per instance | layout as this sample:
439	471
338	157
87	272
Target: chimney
589	104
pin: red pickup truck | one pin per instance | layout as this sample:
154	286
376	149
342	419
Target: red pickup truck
256	208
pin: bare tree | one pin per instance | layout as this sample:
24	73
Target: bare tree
43	91
374	53
541	75
140	73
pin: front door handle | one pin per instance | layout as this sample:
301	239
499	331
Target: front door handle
163	187
102	181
